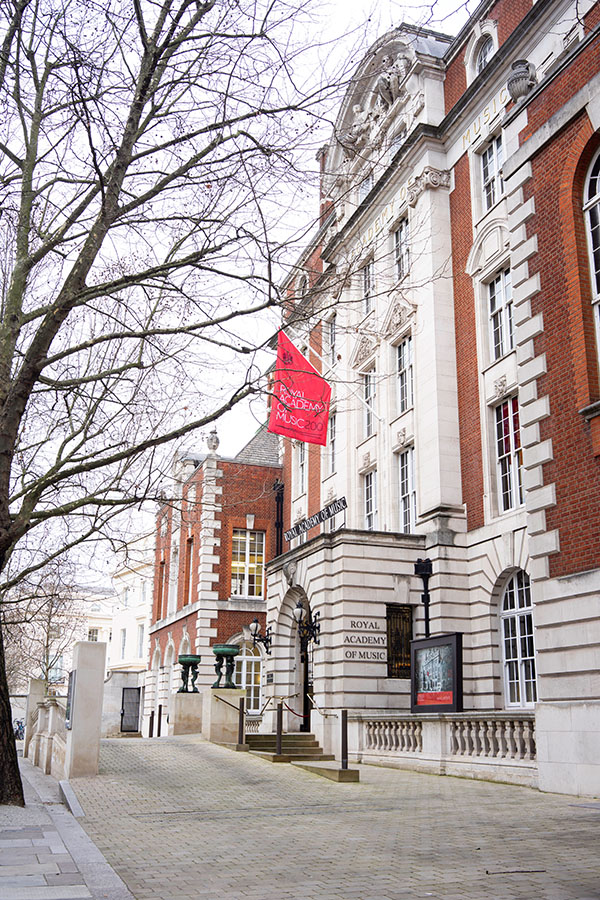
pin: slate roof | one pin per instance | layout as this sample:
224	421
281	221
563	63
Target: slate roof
262	449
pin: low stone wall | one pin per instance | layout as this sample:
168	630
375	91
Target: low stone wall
46	745
491	746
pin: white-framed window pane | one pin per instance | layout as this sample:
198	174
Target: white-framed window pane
92	634
407	490
332	339
491	164
368	286
140	641
364	187
369	402
509	455
501	317
404	372
518	647
484	54
247	674
401	249
332	438
592	210
247	563
123	642
370	498
301	468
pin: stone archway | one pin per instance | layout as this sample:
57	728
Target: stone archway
299	661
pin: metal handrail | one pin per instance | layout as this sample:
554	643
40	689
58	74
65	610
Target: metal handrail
276	697
324	712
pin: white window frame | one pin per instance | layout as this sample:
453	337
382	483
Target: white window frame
367	275
364	187
369	396
332	335
331	437
492	185
93	634
123	642
407	490
518	644
509	456
404	375
591	207
300	468
482	60
247	662
500	313
402	248
370	499
240	578
140	641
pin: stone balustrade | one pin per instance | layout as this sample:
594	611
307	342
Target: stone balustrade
497	746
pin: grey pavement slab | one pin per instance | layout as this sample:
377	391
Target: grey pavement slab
179	818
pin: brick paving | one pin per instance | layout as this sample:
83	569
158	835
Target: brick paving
181	819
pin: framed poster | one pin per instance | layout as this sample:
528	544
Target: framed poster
436	673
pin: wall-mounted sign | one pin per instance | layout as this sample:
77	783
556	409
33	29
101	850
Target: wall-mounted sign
365	640
70	698
326	513
436	673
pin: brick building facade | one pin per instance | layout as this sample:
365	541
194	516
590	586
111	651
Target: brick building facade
454	307
214	536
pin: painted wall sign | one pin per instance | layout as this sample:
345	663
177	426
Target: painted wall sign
365	640
487	115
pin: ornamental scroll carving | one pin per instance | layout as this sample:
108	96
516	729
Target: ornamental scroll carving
363	351
429	178
397	318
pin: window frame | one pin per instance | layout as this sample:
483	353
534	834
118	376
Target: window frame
509	457
249	655
367	275
401	238
404	374
331	436
492	184
500	319
370	500
591	204
519	668
369	392
332	337
481	62
407	490
240	579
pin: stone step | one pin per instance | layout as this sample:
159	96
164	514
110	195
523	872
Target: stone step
291	757
325	770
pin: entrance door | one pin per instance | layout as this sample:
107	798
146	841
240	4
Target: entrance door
307	687
130	709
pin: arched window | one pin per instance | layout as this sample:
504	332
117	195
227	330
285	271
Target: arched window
592	217
518	651
248	666
483	54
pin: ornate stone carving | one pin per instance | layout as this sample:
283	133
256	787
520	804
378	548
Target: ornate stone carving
364	349
366	460
388	85
396	319
500	387
429	178
212	441
330	495
356	136
401	437
289	572
522	79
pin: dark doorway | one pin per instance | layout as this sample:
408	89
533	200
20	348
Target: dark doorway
130	709
307	686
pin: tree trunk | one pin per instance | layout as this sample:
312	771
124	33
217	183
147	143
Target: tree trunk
11	787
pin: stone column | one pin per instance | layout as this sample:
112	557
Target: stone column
83	738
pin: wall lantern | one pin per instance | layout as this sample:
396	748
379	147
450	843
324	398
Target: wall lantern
258	638
309	627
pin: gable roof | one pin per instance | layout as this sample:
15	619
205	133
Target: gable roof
262	449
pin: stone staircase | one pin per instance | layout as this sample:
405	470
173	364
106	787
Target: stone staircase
297	746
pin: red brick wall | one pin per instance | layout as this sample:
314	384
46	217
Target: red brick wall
176	631
231	622
568	341
466	347
246	489
455	83
561	89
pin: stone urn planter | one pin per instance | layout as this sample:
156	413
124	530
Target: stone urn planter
521	80
225	654
189	663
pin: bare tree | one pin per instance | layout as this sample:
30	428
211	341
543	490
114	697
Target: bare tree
143	147
41	620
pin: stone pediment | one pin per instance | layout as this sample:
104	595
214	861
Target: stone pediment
363	351
398	315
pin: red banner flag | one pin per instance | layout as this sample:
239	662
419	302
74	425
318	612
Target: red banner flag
300	406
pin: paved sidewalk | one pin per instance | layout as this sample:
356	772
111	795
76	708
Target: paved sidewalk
44	852
181	819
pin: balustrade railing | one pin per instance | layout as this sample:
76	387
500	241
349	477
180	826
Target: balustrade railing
493	738
393	735
253	724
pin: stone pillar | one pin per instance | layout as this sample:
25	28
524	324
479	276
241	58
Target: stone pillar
185	716
220	712
37	692
83	738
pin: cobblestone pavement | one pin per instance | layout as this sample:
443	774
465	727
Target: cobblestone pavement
181	819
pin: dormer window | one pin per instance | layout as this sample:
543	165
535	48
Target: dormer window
484	53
